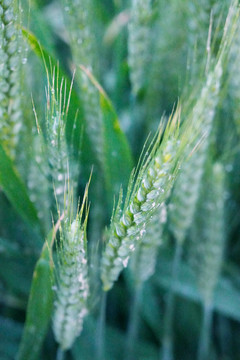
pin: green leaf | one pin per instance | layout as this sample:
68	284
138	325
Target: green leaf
118	161
40	305
15	190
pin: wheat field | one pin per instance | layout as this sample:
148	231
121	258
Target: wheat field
119	180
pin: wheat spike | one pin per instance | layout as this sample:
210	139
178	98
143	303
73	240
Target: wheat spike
150	191
61	162
79	18
139	42
208	232
144	259
234	78
37	181
72	287
186	189
10	63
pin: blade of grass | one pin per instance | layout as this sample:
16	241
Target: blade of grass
16	192
40	304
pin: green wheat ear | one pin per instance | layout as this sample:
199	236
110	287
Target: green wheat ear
72	285
144	259
207	246
208	232
150	191
79	17
186	190
234	78
10	64
60	157
139	42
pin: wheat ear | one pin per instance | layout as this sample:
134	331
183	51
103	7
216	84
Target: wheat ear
234	78
80	22
72	287
149	192
61	161
207	247
139	42
10	63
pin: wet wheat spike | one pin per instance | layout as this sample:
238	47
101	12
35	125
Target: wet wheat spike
208	232
10	63
128	227
144	259
63	168
72	288
186	188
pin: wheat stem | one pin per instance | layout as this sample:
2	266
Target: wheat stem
204	343
100	332
60	354
132	332
167	347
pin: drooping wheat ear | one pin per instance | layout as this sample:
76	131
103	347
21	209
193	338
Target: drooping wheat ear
143	200
10	64
79	19
144	259
72	289
208	231
139	41
234	78
62	165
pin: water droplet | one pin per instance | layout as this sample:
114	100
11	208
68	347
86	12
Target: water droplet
125	262
142	232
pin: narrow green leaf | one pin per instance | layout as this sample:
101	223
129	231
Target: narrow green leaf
15	190
40	305
118	161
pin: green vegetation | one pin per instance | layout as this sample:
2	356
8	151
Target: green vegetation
119	180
